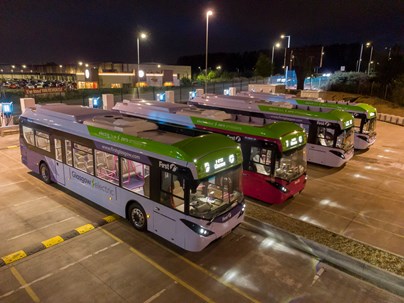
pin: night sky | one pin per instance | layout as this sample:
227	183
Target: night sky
40	31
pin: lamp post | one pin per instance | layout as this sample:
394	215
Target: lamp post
286	67
371	53
277	44
141	36
360	59
208	13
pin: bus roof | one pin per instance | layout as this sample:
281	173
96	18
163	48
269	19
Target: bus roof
251	104
313	105
282	133
139	134
367	109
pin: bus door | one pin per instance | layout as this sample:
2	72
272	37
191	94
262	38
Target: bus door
168	213
258	171
59	167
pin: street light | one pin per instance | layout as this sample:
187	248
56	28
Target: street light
370	57
286	67
141	36
360	59
208	13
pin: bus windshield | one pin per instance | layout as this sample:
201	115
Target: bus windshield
292	165
345	140
216	194
369	126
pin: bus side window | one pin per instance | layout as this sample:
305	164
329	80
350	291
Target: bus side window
135	177
261	160
325	136
28	135
68	148
42	141
58	150
106	167
83	158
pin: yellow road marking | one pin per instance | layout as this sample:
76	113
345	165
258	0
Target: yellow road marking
14	256
85	228
172	276
27	288
52	241
111	235
12	146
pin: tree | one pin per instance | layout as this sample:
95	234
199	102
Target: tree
185	81
304	61
263	67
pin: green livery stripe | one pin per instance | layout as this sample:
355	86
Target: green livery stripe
345	119
370	111
278	131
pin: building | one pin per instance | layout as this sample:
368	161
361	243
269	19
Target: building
101	75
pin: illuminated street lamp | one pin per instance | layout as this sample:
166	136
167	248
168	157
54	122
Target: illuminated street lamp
371	53
284	60
141	36
208	13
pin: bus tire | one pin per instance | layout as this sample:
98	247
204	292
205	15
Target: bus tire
137	217
45	173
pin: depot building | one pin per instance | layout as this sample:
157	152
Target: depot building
100	75
118	75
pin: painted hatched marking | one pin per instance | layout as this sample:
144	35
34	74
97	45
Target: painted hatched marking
52	241
85	228
14	256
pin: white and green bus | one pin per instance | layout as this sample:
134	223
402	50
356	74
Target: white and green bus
274	166
365	115
330	135
185	189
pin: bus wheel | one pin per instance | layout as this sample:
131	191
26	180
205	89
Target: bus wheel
137	217
45	173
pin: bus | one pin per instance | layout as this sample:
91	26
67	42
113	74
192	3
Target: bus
330	137
274	167
186	190
365	115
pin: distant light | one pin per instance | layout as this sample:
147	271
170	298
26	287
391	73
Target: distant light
80	63
24	66
209	13
87	74
143	35
141	73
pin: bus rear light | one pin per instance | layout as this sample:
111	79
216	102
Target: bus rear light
197	228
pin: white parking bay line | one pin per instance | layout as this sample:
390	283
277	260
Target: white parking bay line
43	227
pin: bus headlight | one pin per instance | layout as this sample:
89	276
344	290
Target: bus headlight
279	186
200	230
